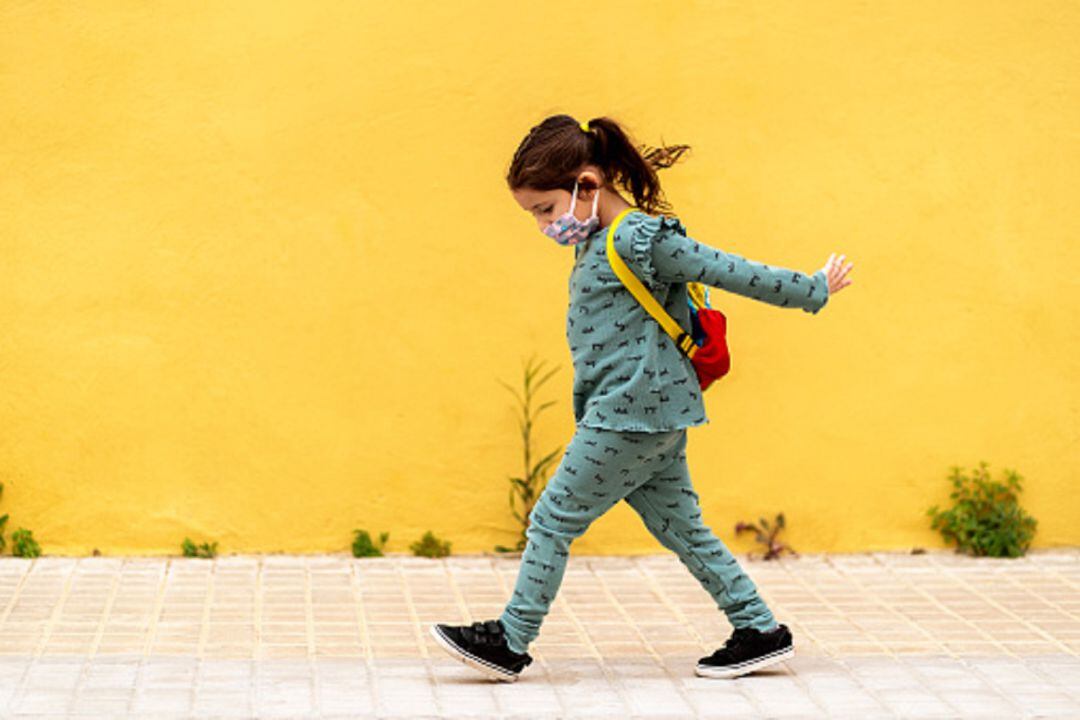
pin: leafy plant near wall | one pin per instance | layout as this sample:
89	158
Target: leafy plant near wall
23	544
205	550
22	540
526	488
364	547
766	535
430	546
986	518
3	522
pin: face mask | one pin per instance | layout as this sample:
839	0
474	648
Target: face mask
567	229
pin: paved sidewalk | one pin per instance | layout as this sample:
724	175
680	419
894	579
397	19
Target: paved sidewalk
876	635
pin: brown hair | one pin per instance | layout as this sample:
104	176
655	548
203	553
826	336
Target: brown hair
554	151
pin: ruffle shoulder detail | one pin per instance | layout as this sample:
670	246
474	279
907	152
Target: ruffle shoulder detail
634	241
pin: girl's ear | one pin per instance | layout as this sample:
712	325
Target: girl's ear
588	180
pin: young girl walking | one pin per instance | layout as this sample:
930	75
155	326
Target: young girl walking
635	392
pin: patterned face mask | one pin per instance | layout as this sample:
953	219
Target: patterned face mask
567	229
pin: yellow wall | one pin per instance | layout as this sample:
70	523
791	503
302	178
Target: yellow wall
260	275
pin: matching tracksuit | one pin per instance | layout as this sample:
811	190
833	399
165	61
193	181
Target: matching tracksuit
634	396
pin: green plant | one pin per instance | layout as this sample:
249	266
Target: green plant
766	535
526	488
23	544
430	546
3	521
986	518
364	547
192	550
22	540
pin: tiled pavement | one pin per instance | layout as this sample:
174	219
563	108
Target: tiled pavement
876	635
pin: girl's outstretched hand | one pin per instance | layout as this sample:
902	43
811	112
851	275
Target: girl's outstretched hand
836	272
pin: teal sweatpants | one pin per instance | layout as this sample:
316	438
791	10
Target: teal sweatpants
649	471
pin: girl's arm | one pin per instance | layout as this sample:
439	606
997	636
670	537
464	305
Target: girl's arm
679	258
663	253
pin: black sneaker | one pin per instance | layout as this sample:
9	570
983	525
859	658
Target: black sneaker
482	646
748	650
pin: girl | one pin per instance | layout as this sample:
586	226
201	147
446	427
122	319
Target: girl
635	392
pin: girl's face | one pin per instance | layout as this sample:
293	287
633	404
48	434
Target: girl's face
546	205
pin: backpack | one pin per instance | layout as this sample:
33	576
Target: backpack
706	343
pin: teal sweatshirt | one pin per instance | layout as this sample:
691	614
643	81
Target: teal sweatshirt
628	373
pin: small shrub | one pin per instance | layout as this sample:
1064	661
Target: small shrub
3	521
192	550
22	540
986	518
766	535
23	544
364	547
430	546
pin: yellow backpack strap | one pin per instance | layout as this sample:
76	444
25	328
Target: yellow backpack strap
697	294
683	340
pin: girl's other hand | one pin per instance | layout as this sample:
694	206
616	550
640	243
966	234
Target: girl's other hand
836	273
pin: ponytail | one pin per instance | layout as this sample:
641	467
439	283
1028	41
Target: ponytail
554	151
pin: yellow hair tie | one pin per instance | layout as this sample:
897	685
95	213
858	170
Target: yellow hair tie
584	125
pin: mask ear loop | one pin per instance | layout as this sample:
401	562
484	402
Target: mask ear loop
573	197
596	199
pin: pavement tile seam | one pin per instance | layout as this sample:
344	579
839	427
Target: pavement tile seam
628	622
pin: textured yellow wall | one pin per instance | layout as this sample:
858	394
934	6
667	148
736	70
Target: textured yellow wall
260	276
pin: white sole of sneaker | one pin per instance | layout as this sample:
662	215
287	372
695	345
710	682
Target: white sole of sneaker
492	671
749	666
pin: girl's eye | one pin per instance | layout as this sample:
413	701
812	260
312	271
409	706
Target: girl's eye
547	209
